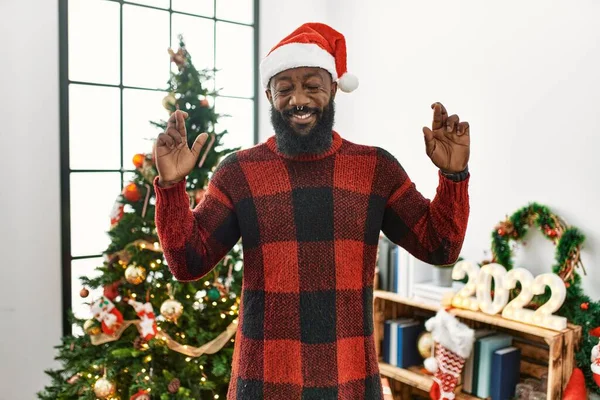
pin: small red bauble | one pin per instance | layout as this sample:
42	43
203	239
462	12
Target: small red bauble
585	306
138	160
132	193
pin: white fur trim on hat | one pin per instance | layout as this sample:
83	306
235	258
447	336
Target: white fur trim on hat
596	368
348	83
448	331
294	55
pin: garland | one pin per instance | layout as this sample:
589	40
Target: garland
568	240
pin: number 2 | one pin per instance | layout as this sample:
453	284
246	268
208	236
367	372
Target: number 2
464	298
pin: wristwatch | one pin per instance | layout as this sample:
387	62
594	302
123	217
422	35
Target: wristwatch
457	176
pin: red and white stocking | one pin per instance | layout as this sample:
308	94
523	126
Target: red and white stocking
453	344
105	311
449	367
147	326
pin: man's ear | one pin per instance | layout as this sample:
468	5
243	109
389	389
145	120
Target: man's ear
334	88
269	95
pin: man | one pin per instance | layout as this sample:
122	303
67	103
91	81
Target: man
309	207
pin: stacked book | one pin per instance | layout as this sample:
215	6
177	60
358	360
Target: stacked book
399	347
430	293
493	369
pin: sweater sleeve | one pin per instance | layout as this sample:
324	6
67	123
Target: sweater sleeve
194	241
431	230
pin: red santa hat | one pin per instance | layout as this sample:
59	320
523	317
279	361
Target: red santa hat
311	45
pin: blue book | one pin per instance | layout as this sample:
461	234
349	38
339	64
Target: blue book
408	354
488	345
506	368
471	363
390	340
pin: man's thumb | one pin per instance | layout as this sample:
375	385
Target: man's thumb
198	143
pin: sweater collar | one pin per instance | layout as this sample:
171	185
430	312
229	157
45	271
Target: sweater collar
336	143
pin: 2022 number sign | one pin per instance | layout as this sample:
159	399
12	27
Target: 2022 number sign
479	282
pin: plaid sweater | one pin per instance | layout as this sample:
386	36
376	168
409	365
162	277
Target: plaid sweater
309	227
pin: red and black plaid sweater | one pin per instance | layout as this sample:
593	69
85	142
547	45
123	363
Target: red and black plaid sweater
309	227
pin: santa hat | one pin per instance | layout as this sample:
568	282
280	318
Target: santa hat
311	45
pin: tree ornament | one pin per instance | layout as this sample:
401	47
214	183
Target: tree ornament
204	103
104	388
142	394
138	160
169	102
171	309
214	294
147	318
91	327
111	291
132	193
585	306
425	344
84	292
174	385
105	311
178	58
116	213
135	274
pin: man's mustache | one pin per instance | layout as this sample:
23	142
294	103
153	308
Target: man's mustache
294	110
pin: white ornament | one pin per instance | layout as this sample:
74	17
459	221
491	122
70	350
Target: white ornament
431	365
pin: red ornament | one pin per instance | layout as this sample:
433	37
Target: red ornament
84	292
585	306
132	193
140	395
567	285
204	103
138	160
551	232
111	291
501	231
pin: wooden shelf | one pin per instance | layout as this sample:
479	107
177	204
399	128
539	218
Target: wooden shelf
544	351
495	320
414	378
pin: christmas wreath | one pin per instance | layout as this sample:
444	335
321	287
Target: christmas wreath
578	308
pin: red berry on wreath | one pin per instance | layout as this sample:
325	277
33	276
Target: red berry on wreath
132	193
138	160
585	306
501	231
204	103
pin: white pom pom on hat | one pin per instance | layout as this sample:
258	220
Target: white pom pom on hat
311	45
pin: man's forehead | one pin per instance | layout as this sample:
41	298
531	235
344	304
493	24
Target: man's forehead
302	72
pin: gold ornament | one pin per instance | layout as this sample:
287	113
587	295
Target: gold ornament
104	388
169	102
91	327
171	309
424	344
135	274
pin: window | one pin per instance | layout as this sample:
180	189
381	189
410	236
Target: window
114	72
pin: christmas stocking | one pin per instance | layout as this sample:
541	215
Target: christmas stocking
105	311
453	344
147	326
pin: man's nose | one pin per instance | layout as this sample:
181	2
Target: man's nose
299	98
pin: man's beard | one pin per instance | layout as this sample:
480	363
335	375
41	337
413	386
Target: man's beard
317	140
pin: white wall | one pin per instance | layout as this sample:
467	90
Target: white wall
30	298
524	74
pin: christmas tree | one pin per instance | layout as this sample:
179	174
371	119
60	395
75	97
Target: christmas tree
152	336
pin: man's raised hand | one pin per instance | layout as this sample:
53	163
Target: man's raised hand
174	158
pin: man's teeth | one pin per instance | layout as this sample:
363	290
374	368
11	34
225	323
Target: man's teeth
302	116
